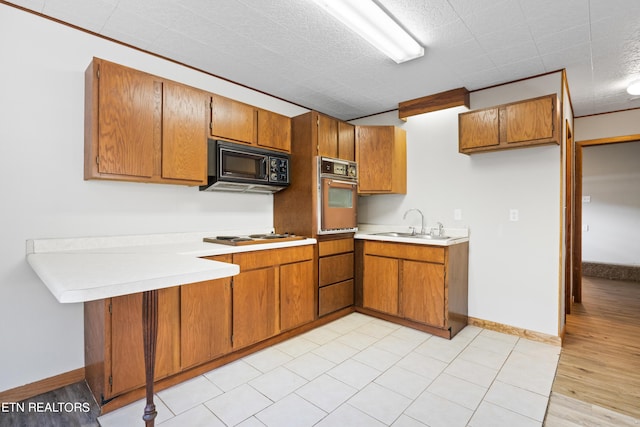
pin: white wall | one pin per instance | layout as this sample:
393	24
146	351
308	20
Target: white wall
621	123
513	266
44	194
611	179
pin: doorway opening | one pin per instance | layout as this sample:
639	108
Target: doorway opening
574	291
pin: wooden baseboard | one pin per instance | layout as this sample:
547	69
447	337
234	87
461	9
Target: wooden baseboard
512	330
43	386
439	332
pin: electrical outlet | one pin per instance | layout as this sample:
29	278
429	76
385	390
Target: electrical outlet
457	214
514	215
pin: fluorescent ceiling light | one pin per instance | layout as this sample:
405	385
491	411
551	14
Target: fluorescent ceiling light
634	88
367	19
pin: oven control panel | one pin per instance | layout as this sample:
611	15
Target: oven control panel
338	168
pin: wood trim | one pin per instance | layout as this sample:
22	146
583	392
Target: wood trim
439	101
608	112
569	220
576	292
512	330
42	386
439	332
156	55
611	140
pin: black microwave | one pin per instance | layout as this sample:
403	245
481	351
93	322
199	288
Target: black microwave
243	168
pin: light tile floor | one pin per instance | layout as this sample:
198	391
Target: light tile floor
363	371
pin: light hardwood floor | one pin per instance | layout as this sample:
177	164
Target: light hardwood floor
598	378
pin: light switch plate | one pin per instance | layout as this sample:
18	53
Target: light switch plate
457	214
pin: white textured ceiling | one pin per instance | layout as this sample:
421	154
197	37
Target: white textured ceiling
293	50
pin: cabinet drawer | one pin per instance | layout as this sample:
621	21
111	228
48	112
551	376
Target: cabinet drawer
332	247
405	251
336	268
335	297
271	257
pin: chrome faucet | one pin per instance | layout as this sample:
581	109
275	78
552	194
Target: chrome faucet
423	229
440	230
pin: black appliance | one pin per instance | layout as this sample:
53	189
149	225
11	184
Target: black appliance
243	168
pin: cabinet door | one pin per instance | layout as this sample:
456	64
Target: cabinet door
528	120
478	129
274	130
423	292
327	136
127	356
232	120
255	306
382	159
380	278
184	137
297	289
129	113
346	141
205	321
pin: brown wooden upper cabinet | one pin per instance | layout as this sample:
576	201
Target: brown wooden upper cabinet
519	124
382	159
317	134
233	120
335	138
274	131
238	122
140	127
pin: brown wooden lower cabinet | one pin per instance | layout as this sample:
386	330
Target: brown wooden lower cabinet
297	299
423	292
382	285
255	309
418	284
334	297
205	327
125	366
335	275
274	292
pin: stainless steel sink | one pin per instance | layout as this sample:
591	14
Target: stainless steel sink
430	237
395	234
413	236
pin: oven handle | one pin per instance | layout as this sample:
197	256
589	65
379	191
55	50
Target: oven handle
331	181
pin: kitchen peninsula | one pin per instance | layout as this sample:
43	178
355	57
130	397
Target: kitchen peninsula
94	271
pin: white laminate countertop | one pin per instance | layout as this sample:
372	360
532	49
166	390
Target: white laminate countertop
86	269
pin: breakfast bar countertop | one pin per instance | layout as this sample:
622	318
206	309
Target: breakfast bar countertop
85	269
